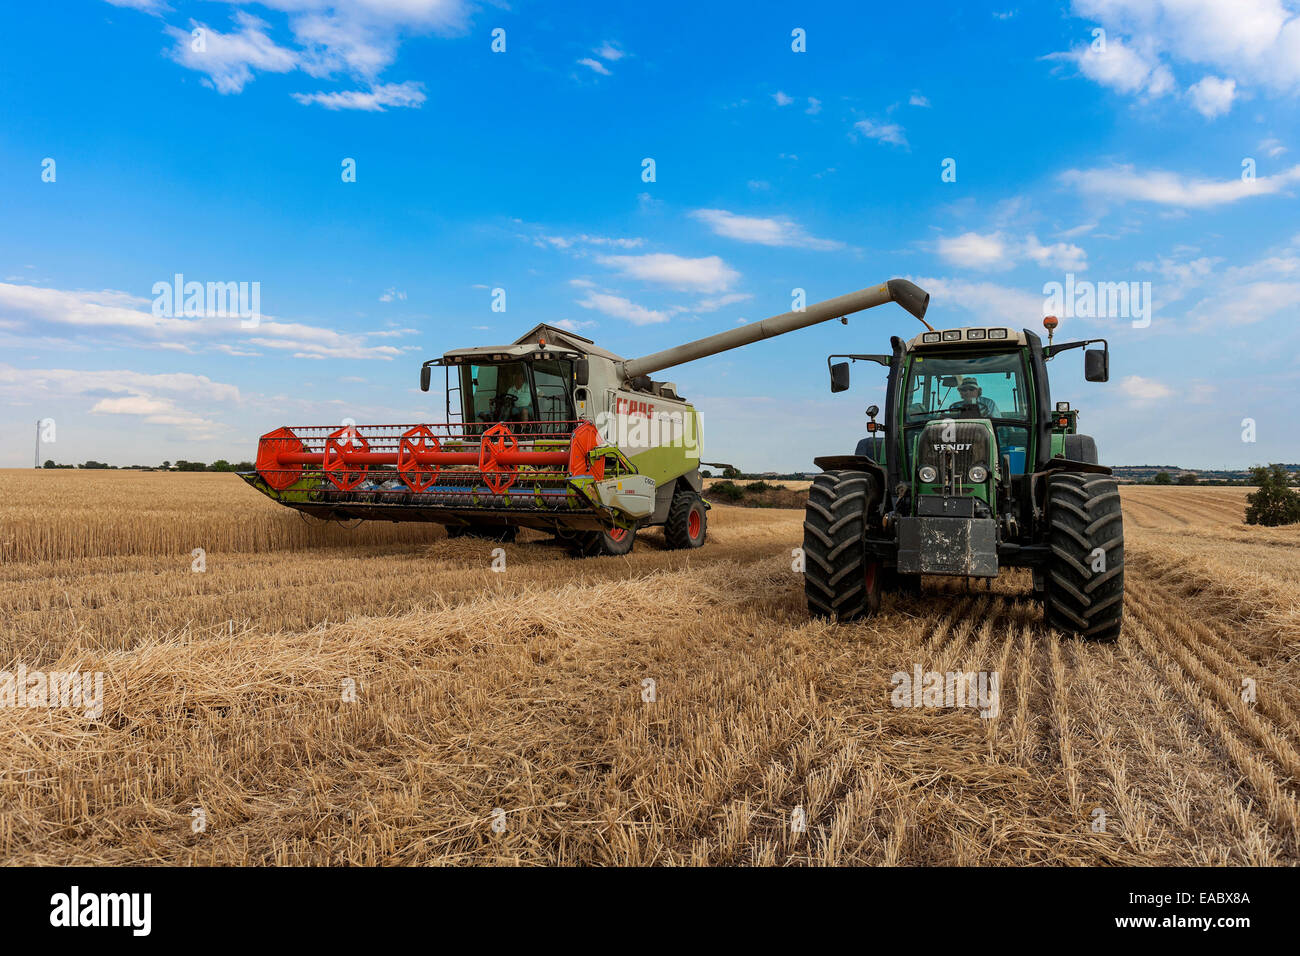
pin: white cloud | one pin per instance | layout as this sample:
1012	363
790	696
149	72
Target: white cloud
392	295
986	301
705	274
1144	389
595	66
814	106
1065	256
1212	96
156	7
610	51
1170	189
357	37
112	312
884	132
1255	42
764	231
916	99
973	250
998	251
1272	147
1121	67
782	99
621	308
229	59
374	100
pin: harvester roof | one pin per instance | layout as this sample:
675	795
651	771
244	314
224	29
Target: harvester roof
540	338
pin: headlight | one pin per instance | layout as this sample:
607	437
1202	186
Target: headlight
927	474
979	474
928	337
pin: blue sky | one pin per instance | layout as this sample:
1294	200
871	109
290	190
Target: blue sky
1117	141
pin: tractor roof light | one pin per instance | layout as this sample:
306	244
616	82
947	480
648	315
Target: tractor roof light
976	333
1062	406
997	333
929	337
952	335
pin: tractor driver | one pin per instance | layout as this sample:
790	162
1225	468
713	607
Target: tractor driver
972	394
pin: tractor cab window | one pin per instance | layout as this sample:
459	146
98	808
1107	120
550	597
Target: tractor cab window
498	393
940	386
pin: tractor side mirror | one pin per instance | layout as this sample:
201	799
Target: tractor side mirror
840	377
1096	365
426	373
581	372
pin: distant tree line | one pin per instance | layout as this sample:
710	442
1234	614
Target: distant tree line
219	465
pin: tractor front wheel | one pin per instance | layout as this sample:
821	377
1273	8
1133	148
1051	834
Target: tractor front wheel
687	520
839	582
1084	584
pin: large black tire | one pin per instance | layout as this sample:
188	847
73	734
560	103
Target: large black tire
687	520
504	533
839	582
595	544
1084	515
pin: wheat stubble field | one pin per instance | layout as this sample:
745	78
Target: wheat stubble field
522	691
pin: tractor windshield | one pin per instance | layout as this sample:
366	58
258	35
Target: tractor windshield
992	386
941	385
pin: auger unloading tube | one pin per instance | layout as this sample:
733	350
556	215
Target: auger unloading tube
551	432
909	296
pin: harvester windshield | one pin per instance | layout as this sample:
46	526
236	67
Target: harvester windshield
528	391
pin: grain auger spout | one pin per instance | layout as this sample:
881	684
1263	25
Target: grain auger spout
550	432
911	297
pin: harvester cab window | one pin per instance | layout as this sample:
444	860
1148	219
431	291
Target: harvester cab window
551	384
499	393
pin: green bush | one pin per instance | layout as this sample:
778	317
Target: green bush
727	489
1275	502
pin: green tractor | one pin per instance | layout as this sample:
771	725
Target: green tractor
973	469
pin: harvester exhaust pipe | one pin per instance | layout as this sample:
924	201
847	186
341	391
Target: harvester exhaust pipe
911	297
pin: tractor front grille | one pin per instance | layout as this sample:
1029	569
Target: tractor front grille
952	446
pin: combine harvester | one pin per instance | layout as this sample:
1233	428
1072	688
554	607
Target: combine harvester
550	432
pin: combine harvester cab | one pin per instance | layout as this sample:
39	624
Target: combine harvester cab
551	432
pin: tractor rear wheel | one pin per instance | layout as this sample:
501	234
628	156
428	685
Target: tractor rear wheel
687	520
839	581
593	544
1084	581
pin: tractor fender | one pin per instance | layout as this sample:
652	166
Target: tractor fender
1081	448
1038	480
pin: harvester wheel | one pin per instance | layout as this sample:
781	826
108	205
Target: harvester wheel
1085	579
839	582
594	544
687	520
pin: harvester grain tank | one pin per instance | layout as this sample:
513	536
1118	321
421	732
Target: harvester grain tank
550	432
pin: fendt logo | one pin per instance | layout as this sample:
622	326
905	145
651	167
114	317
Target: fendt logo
953	446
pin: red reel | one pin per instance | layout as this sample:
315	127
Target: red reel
415	441
585	438
497	440
342	475
269	448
